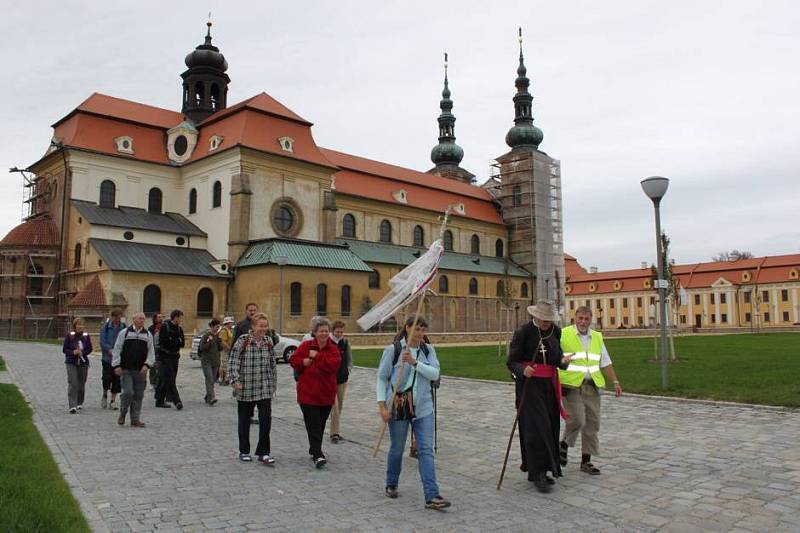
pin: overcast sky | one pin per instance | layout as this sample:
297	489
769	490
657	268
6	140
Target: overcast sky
706	93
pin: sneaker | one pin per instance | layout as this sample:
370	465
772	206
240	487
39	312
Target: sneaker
438	503
113	405
245	458
104	402
266	460
80	407
391	492
319	462
73	411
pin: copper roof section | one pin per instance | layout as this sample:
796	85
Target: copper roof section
92	295
34	232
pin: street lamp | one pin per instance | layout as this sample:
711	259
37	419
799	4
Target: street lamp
655	187
281	261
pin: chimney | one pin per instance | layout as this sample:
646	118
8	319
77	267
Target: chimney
644	265
592	270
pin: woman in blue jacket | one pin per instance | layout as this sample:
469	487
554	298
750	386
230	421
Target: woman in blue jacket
77	347
418	359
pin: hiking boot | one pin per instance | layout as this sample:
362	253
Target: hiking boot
438	503
266	460
137	423
590	469
391	492
319	462
121	420
104	402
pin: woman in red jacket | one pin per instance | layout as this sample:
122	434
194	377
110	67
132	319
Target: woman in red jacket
316	362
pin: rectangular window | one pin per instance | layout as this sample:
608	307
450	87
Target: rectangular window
765	296
598	304
625	303
786	316
613	320
612	303
696	299
640	321
683	319
724	318
572	304
747	317
639	301
723	298
712	298
766	317
713	318
625	320
747	297
784	295
652	300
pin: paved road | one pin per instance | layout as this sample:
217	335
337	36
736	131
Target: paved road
667	465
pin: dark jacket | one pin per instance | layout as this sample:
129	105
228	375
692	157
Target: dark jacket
209	349
316	384
133	349
525	344
71	343
170	340
242	328
343	374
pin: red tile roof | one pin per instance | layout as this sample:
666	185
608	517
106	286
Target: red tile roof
377	181
34	232
92	295
119	108
260	102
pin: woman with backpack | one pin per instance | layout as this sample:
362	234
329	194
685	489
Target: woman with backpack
415	360
316	363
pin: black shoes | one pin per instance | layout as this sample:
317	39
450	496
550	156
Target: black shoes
319	462
163	405
391	492
540	480
437	503
179	406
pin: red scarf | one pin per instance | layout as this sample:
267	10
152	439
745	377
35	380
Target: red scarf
541	370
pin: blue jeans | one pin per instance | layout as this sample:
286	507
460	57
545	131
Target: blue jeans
423	431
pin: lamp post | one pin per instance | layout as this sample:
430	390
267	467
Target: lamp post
655	187
281	261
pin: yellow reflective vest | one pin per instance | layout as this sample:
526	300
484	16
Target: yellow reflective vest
582	360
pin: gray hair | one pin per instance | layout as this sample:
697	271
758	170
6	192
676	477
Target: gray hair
137	314
584	309
319	321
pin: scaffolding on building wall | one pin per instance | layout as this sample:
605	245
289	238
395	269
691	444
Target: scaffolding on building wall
527	185
27	293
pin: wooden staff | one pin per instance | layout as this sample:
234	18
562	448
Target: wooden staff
400	376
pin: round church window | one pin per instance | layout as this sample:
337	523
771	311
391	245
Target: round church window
286	217
128	235
181	144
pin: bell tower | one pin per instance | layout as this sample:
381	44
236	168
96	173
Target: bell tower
205	84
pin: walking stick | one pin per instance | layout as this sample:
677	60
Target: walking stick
400	376
513	430
435	421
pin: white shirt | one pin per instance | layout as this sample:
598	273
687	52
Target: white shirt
586	340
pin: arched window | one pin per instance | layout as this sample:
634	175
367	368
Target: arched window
345	300
295	298
516	193
444	285
108	194
154	199
523	290
501	289
322	299
419	236
214	96
151	300
473	286
349	226
35	284
78	253
193	201
448	240
205	302
199	93
475	245
386	231
498	248
216	194
374	280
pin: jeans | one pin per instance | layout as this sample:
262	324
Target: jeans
315	417
76	384
166	390
133	385
245	412
423	432
210	373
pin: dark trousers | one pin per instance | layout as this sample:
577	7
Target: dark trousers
111	381
166	390
245	412
315	417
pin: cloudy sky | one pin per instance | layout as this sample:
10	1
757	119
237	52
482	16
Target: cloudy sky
704	92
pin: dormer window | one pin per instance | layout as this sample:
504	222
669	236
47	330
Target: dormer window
181	141
460	209
286	144
215	142
400	196
124	144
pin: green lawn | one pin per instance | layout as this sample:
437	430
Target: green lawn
759	368
33	495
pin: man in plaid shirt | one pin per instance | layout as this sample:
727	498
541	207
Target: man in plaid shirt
252	373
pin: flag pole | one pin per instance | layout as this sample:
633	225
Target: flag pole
401	374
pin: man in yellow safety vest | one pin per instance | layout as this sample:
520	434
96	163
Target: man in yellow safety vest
581	383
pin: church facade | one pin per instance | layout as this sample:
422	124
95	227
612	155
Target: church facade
211	207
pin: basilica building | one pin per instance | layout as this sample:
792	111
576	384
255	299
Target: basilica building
211	207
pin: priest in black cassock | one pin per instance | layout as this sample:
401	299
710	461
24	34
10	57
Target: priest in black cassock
533	360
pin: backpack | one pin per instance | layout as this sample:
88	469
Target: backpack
396	357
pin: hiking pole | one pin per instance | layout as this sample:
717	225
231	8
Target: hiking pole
435	420
513	430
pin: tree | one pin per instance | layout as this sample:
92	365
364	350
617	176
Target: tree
733	255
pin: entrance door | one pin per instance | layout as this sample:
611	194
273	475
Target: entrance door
698	321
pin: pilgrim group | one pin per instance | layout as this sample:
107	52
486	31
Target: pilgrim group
558	373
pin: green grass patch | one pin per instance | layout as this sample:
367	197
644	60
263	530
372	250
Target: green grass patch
752	368
33	495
